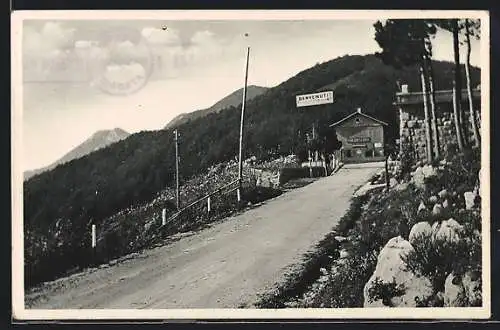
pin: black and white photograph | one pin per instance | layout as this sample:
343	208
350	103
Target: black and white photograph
250	164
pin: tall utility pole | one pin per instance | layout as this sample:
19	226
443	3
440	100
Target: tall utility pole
243	103
177	168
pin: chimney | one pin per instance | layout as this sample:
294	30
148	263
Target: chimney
359	110
404	89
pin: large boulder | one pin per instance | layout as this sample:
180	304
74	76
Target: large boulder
421	173
419	229
470	198
391	268
454	292
448	230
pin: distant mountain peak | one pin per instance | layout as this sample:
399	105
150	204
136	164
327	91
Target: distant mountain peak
98	140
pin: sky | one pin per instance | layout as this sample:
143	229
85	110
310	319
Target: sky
65	65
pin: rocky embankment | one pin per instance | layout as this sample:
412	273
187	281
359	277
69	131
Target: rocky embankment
417	244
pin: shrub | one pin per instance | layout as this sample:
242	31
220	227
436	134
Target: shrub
346	283
385	291
435	258
290	173
348	220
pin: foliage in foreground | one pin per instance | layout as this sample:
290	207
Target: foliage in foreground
393	213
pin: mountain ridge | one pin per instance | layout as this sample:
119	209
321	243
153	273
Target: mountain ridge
232	100
96	141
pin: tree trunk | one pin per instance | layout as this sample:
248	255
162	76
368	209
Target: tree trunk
435	132
427	122
457	88
472	115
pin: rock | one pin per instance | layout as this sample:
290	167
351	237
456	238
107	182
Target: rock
469	197
454	292
393	182
445	204
471	282
344	254
340	239
429	171
421	173
437	209
443	193
390	267
449	230
418	229
433	199
402	186
421	207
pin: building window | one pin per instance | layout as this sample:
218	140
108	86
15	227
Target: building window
369	153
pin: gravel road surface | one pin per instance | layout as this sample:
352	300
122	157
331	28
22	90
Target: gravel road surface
224	266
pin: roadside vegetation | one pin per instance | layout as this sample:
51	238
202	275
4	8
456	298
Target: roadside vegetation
352	249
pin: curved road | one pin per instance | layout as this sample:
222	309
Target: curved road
224	266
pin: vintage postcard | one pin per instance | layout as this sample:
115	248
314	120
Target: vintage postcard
250	165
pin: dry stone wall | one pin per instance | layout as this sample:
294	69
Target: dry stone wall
412	130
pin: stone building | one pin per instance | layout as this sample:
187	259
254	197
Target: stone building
412	124
362	138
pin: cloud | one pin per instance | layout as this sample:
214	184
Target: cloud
203	38
52	36
124	73
159	36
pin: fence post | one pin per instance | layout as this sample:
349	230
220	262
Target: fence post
93	256
208	204
163	217
94	238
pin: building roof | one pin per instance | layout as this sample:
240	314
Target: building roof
361	114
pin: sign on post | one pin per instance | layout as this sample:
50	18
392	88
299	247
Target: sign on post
314	99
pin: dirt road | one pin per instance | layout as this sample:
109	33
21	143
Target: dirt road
224	266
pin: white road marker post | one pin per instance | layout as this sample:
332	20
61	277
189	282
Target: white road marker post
163	217
93	252
94	239
208	204
238	194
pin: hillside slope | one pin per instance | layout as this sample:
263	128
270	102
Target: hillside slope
132	171
232	100
98	140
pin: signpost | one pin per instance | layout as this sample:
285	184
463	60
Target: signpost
243	103
306	100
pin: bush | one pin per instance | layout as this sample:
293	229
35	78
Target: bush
385	291
290	173
436	258
345	285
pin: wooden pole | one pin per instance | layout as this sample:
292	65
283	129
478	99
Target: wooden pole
177	169
243	103
427	119
386	173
